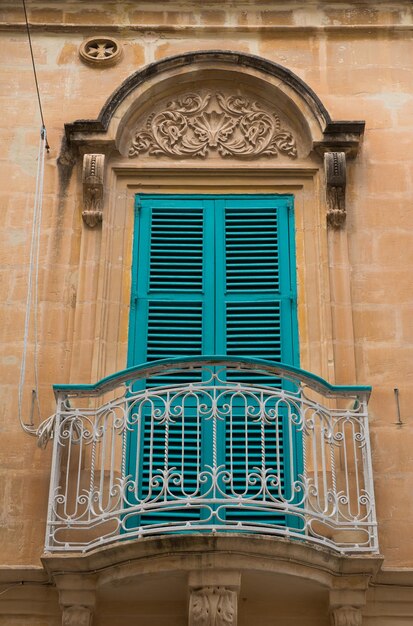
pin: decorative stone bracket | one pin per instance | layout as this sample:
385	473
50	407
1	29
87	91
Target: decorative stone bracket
77	599
346	616
76	616
335	175
347	599
93	178
213	599
213	606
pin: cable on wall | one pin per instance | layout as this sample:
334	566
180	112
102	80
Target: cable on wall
44	431
34	72
32	282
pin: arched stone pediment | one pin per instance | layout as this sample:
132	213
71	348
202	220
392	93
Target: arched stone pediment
218	119
216	104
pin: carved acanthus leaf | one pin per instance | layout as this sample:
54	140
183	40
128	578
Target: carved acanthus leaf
213	606
232	125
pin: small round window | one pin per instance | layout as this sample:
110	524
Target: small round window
100	51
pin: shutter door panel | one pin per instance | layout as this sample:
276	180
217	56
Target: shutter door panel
174	329
254	284
173	301
251	250
254	304
254	329
176	250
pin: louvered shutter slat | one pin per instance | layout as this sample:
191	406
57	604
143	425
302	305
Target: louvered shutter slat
175	236
251	251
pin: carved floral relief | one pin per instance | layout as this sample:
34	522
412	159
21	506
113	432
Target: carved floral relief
213	606
195	125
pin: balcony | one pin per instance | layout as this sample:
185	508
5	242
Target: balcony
211	445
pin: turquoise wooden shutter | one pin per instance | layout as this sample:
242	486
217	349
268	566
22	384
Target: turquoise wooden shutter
213	274
172	295
255	279
256	303
173	315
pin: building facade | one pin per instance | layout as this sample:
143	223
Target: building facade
206	284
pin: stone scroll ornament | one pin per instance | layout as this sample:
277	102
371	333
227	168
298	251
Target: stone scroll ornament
213	606
335	173
194	125
92	177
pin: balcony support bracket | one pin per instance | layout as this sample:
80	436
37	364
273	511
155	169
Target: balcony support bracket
347	600
346	616
213	598
77	598
76	616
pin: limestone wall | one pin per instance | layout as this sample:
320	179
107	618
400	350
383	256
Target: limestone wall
357	57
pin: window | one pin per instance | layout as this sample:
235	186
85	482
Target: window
211	275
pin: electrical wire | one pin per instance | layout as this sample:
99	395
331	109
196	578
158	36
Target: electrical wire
32	283
34	69
45	430
25	583
36	277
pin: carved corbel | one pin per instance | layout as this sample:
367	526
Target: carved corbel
335	174
213	606
346	616
76	616
93	177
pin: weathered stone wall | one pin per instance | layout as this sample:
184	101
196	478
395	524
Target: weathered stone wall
357	57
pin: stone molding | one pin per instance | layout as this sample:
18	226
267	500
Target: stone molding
256	553
335	175
194	125
212	606
342	136
346	616
207	28
93	179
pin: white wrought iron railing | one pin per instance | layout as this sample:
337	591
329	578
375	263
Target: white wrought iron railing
211	444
